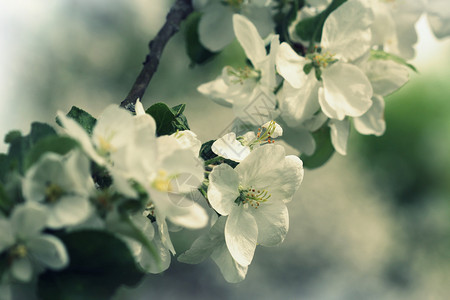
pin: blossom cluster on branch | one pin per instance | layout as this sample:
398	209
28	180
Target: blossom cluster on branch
100	196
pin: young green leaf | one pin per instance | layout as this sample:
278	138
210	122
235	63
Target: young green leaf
324	149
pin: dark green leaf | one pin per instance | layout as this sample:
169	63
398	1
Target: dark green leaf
56	144
307	68
285	16
99	264
6	204
310	29
205	151
195	50
20	145
168	120
324	149
83	118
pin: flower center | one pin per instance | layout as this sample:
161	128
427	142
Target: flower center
104	144
241	74
264	135
162	182
18	251
318	62
53	192
252	196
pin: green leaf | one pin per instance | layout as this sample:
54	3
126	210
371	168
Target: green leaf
168	120
195	50
20	145
56	144
310	29
83	118
99	264
324	149
285	16
380	54
6	204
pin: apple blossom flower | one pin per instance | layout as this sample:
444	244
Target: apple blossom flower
237	149
328	75
27	248
248	90
253	196
61	185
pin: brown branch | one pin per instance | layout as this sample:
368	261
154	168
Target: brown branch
178	12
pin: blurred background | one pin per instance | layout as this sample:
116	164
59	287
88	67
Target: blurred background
372	225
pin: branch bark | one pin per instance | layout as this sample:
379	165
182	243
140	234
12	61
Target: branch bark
178	12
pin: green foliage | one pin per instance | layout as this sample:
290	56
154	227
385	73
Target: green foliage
19	146
83	118
195	50
99	264
324	149
55	144
284	17
168	120
380	54
310	29
5	202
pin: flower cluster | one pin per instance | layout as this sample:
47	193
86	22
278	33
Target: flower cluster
340	74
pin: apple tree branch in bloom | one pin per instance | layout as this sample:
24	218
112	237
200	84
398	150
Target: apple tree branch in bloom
178	12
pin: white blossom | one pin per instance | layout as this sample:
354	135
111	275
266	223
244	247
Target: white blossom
248	90
62	185
28	249
253	196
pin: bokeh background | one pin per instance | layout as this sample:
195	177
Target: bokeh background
374	224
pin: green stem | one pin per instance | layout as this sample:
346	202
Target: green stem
213	160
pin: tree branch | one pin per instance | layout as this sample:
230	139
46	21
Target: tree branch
178	12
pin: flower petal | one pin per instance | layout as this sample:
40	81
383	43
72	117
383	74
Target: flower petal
290	65
386	76
339	134
231	270
230	148
241	234
69	210
346	31
372	122
249	38
223	188
22	269
272	219
49	251
346	90
28	220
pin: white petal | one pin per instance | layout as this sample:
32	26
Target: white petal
299	104
290	65
22	269
148	261
347	90
69	210
139	108
216	28
115	126
372	122
258	108
249	38
386	76
272	220
346	31
218	91
28	220
223	188
278	131
230	148
231	270
188	140
49	251
74	130
164	234
201	249
339	135
192	216
7	237
256	170
301	139
241	234
439	26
